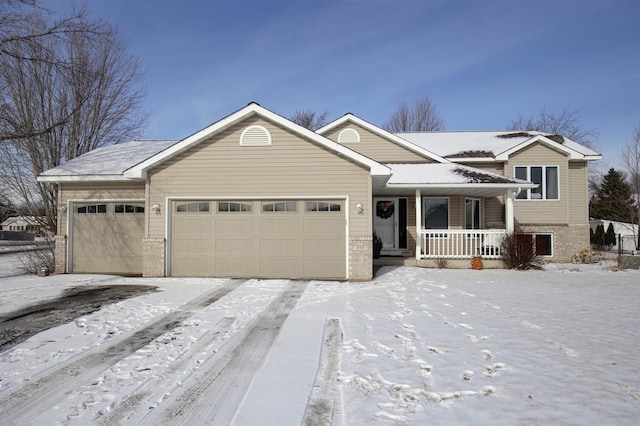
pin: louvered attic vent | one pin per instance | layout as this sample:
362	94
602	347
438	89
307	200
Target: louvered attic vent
348	135
255	136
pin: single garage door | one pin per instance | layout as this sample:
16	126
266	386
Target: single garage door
107	238
259	239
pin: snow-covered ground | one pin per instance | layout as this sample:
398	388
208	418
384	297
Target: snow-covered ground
418	346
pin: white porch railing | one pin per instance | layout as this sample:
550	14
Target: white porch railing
461	243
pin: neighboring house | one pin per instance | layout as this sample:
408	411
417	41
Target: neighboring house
256	195
29	224
628	232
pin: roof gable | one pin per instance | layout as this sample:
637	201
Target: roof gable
139	171
390	137
487	146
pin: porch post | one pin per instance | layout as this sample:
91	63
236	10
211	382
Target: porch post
418	223
508	210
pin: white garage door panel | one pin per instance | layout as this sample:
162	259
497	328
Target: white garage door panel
105	241
256	243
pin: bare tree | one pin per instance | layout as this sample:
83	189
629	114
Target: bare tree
95	102
19	39
310	119
421	117
566	123
631	162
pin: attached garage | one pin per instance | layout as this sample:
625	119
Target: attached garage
107	237
294	238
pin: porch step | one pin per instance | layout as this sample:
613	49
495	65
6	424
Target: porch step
394	261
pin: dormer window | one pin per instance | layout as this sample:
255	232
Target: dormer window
255	136
348	135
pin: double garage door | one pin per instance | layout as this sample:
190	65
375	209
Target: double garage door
259	238
107	237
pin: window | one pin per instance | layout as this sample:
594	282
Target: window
92	209
542	243
436	213
192	207
255	136
348	135
281	206
323	206
233	207
472	213
546	177
128	208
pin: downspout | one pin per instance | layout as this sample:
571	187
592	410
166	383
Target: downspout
418	223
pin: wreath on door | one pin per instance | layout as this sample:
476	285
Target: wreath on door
385	209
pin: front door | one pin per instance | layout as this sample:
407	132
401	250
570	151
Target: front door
385	224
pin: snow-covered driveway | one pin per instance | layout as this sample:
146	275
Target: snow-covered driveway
419	346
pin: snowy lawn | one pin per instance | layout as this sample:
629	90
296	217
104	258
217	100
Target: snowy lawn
420	346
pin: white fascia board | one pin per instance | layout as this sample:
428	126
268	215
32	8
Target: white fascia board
474	160
139	171
572	154
463	185
384	134
85	178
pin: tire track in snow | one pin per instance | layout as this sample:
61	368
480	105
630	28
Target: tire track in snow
27	402
145	391
218	391
322	404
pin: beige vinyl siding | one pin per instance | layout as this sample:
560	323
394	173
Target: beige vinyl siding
376	147
96	191
541	211
493	206
290	167
578	192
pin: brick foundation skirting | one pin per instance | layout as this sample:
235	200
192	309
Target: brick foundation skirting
60	254
153	257
360	258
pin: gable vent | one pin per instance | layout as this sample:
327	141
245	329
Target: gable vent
255	136
348	135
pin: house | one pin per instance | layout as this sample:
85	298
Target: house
28	224
256	195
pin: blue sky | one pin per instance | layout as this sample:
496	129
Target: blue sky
482	63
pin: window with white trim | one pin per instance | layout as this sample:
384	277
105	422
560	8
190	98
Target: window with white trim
92	209
128	208
546	177
322	206
199	207
233	207
255	136
472	213
348	135
436	212
279	206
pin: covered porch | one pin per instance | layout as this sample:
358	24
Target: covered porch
460	212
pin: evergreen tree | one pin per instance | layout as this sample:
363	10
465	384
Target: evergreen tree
610	236
613	199
599	236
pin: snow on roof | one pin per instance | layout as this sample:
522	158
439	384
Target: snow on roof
112	160
31	220
485	144
447	173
